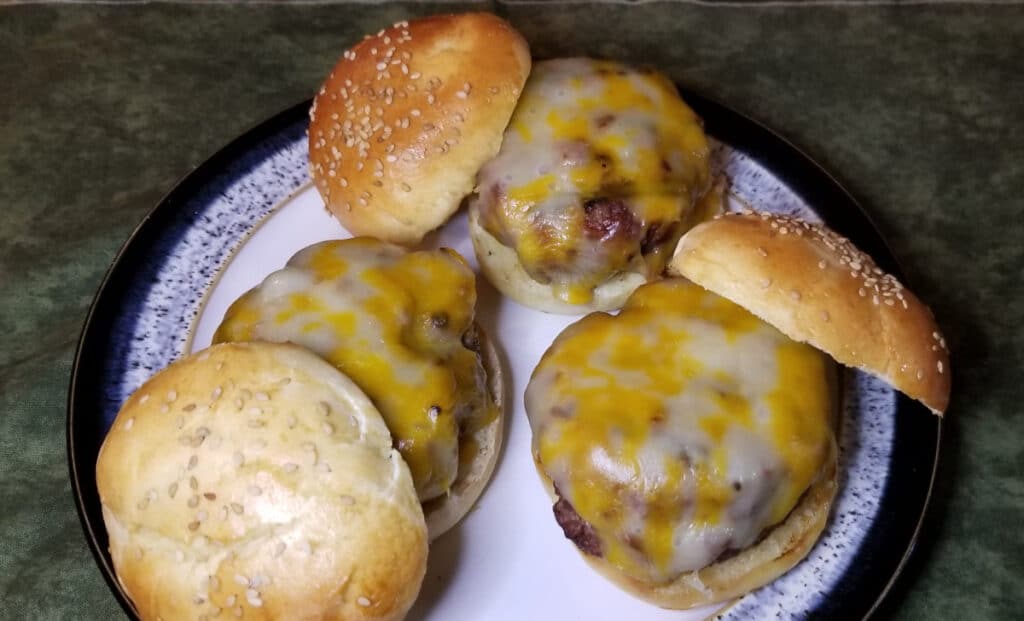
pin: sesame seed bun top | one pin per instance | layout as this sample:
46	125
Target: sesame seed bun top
257	480
818	288
407	117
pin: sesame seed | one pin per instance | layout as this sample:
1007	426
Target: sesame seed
461	94
172	490
920	375
189	408
128	424
241	580
325	408
938	365
406	187
762	252
216	393
415	112
143	399
210	496
171	396
192	462
415	75
237	509
193	525
824	316
362	601
821	264
766	282
795	294
164	409
193	483
193	502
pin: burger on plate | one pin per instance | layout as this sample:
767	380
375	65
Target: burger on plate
689	441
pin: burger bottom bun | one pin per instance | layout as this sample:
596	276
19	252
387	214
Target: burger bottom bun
501	266
254	480
444	513
782	547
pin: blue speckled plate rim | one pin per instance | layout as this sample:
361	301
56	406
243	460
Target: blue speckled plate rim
888	543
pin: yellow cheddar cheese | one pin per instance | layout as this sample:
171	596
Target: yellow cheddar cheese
679	429
596	175
400	324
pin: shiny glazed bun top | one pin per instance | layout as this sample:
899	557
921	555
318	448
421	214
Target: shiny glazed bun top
400	324
255	481
599	169
677	431
407	117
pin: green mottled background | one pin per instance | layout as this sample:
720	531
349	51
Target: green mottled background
917	109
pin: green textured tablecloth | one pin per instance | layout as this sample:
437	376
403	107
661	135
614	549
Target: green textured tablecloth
917	109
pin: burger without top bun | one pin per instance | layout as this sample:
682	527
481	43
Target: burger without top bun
689	441
597	177
400	325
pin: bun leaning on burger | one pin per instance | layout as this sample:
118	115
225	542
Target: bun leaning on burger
407	117
256	481
597	177
690	445
818	288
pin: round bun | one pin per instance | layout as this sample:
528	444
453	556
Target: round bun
780	550
445	512
256	480
407	117
501	266
817	288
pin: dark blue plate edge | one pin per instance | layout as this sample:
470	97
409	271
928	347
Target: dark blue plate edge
83	442
889	542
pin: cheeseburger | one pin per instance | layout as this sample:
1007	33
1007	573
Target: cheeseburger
689	441
597	177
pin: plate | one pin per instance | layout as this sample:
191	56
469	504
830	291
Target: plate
245	211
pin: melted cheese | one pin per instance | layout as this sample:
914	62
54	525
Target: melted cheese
679	429
588	130
394	322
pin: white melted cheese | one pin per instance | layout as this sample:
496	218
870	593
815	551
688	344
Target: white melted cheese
598	169
681	429
395	322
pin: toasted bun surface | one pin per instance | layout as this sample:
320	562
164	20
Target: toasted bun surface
780	550
257	480
502	267
817	288
475	472
407	117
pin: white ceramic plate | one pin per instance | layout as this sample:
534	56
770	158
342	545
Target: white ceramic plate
250	208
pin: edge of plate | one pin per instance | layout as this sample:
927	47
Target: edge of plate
197	177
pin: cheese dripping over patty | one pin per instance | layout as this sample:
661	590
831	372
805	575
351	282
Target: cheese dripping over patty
400	324
597	174
680	429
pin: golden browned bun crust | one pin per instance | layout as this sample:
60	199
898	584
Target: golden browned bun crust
500	264
817	288
445	512
256	480
407	117
782	547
